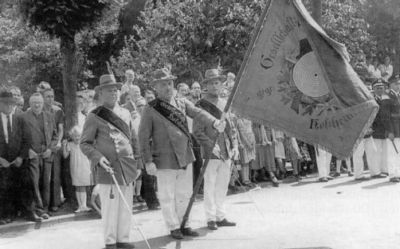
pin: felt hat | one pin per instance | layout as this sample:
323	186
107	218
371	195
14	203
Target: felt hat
161	75
378	82
6	96
107	80
212	74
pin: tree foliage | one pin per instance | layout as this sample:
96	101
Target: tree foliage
64	19
191	35
384	23
195	35
26	56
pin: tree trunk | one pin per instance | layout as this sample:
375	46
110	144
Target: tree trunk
317	11
69	72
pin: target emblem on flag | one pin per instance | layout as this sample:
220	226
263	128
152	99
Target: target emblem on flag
307	76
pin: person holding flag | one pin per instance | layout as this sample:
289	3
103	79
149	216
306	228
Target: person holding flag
218	172
167	148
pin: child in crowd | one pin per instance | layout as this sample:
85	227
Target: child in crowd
80	167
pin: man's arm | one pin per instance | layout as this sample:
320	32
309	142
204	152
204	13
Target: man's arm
88	139
145	135
136	149
60	126
199	114
25	137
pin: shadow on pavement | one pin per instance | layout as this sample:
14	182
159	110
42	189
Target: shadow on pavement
378	185
311	248
303	183
341	184
163	241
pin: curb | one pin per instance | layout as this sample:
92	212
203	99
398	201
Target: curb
24	226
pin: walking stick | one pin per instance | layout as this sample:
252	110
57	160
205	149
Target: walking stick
129	208
256	33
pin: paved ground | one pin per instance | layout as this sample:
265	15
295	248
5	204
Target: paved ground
341	214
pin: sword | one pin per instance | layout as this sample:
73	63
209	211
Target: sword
130	210
395	148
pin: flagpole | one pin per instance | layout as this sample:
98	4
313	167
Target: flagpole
255	35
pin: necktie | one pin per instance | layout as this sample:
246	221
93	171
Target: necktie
8	127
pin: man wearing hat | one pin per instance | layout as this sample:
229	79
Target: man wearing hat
218	172
110	142
382	133
13	149
394	95
167	148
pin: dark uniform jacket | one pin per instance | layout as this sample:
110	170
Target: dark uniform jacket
382	124
395	112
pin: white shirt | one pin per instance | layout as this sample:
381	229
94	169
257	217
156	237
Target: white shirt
4	121
374	72
123	114
388	70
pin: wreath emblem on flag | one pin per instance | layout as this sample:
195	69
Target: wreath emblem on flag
302	85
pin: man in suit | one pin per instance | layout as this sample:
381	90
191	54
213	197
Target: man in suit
13	150
167	148
43	139
218	172
58	116
394	95
110	142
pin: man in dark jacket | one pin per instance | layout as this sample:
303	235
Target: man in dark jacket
110	142
41	128
382	133
13	149
394	95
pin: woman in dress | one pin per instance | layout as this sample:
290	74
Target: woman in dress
294	155
247	148
265	155
280	155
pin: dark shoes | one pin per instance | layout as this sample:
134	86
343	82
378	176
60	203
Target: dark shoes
187	231
274	181
323	179
111	246
54	209
395	179
336	174
382	175
177	234
34	217
212	225
225	223
362	178
125	245
45	216
139	198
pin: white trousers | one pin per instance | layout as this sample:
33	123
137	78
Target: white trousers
380	156
175	188
394	158
216	181
368	146
115	215
323	162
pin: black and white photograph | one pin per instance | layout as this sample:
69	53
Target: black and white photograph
200	124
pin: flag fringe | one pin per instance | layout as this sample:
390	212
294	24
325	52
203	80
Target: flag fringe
364	106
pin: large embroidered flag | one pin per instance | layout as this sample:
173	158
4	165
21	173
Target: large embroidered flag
297	79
